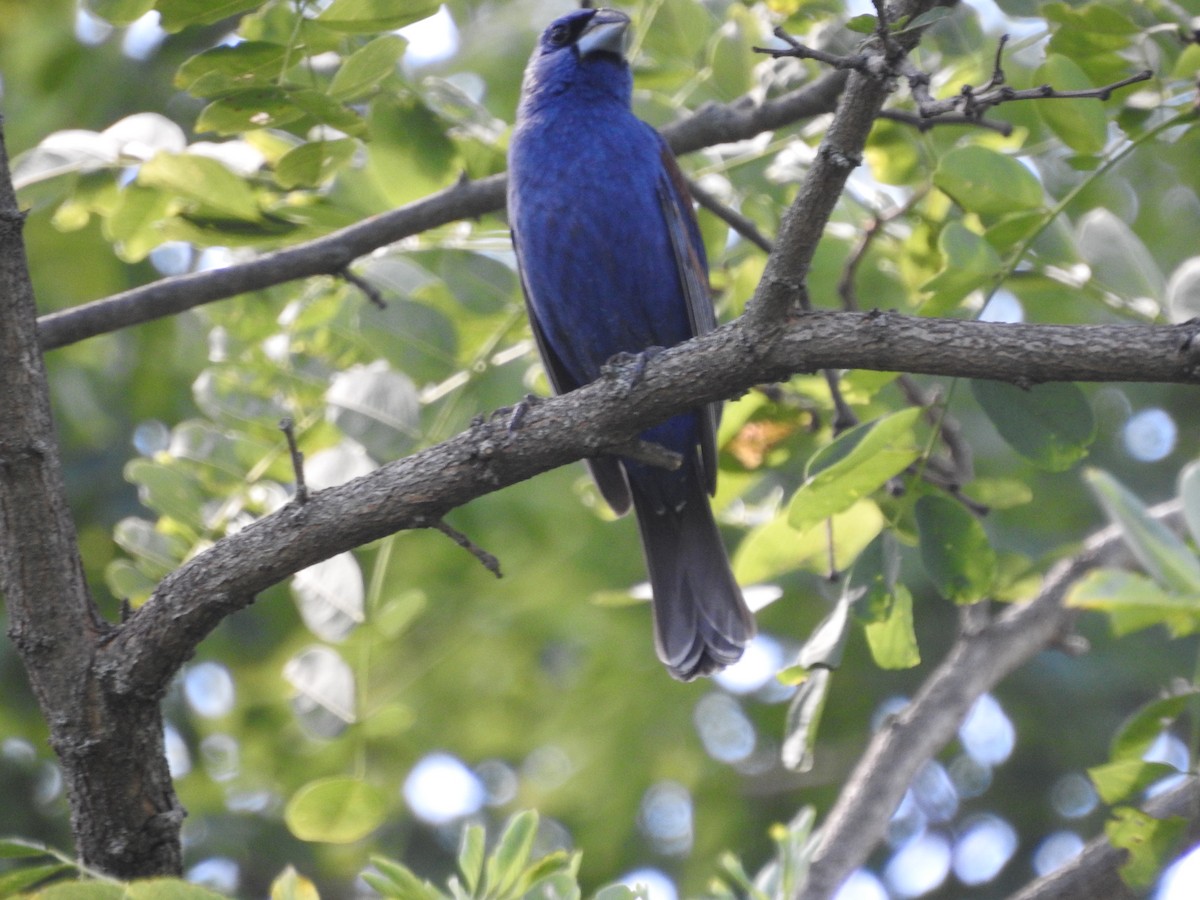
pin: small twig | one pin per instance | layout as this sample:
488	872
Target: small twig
288	428
997	78
949	429
859	62
923	124
486	559
972	102
369	290
831	571
844	417
731	217
872	229
647	452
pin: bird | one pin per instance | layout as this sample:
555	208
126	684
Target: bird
612	264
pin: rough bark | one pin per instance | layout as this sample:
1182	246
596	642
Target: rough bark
123	807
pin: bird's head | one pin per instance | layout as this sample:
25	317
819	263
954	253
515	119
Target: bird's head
583	51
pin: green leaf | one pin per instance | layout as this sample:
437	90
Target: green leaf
1051	425
731	57
120	12
18	848
135	223
397	881
470	856
986	182
223	69
854	465
825	645
968	262
874	573
999	493
955	550
328	111
170	889
480	283
1142	729
617	892
313	163
1120	260
772	549
1096	17
507	861
803	718
366	67
203	180
1133	602
291	885
377	406
863	24
83	890
17	880
893	640
1148	840
1163	555
369	16
1189	493
178	14
1081	124
925	19
556	872
267	107
335	810
128	582
1120	780
559	886
157	553
168	491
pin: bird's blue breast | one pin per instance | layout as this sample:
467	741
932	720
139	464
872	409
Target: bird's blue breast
595	252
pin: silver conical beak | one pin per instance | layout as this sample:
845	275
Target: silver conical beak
607	32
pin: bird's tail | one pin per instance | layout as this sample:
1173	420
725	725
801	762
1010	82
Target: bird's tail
701	622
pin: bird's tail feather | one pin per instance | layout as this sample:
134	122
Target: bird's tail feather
701	622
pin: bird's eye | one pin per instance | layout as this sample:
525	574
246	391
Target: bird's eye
558	36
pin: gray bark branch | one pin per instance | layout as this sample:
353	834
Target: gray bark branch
977	662
331	254
420	489
112	758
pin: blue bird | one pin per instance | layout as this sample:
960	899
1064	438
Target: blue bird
612	262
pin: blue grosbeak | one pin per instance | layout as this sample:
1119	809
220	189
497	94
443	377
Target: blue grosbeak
612	262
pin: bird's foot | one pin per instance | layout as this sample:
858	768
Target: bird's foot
517	416
627	369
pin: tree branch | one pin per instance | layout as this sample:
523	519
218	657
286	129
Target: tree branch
1095	872
112	759
976	663
333	253
605	415
803	224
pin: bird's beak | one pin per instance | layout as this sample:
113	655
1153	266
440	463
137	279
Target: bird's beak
607	32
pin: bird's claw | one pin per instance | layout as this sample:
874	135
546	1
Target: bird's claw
627	369
517	416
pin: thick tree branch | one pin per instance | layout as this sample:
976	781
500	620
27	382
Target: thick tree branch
112	758
785	277
333	253
1096	872
979	660
420	489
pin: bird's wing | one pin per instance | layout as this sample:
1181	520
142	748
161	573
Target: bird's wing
606	470
676	202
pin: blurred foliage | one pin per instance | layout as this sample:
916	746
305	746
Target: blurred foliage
145	150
